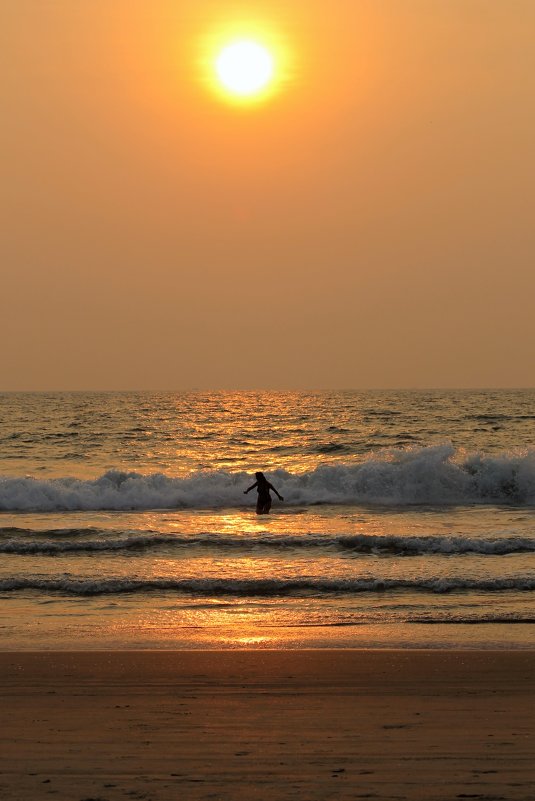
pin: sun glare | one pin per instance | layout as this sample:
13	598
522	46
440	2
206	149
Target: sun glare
246	63
245	68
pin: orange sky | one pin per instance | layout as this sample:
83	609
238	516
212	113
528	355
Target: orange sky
369	226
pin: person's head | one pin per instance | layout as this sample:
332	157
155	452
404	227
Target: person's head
260	477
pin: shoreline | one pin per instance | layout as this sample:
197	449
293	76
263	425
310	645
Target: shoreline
239	650
27	636
267	724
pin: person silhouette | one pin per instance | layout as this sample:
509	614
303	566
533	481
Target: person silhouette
263	504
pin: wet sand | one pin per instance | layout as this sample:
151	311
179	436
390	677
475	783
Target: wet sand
337	724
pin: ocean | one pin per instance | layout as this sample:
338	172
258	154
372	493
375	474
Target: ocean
407	520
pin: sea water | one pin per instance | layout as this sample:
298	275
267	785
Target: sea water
407	520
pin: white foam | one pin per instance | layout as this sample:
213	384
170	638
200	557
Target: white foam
261	587
435	476
360	543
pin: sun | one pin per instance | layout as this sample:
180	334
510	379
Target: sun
245	62
245	68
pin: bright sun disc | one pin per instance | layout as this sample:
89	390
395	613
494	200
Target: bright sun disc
245	68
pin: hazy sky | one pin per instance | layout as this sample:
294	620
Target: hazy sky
371	225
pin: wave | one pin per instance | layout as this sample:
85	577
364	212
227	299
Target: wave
359	543
468	621
431	476
261	587
55	532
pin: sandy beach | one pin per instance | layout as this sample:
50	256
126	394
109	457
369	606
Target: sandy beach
334	724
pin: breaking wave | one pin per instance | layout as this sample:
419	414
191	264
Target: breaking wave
261	587
473	620
358	543
432	476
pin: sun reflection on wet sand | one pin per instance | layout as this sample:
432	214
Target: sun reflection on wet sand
252	642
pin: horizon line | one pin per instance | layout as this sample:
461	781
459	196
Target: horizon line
192	390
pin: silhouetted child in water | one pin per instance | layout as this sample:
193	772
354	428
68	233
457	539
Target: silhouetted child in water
263	504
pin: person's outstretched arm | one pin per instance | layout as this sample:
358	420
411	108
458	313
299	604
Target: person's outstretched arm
276	493
250	488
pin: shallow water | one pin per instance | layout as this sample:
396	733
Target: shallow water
407	520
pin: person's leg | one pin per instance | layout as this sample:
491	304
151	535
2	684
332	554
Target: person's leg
263	506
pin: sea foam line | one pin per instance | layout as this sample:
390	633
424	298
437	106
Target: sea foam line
260	587
360	543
